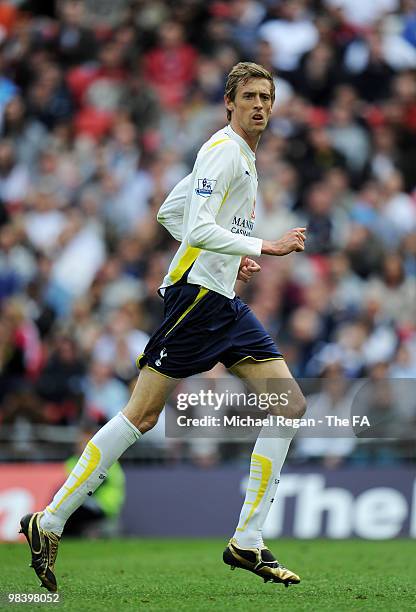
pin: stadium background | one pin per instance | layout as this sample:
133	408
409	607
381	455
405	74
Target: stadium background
103	107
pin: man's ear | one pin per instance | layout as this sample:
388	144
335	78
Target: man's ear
229	104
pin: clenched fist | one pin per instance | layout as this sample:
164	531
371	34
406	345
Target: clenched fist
247	268
293	240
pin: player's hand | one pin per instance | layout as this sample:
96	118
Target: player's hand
247	268
293	240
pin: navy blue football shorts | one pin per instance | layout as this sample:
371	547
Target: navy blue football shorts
200	329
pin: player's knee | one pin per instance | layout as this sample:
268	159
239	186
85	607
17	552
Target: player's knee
147	422
295	408
144	418
298	407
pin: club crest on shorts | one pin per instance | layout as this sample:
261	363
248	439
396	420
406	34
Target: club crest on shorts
205	187
163	354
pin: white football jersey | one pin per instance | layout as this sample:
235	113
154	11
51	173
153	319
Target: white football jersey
212	213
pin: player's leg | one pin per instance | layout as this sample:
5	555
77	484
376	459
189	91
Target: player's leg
43	529
267	459
107	445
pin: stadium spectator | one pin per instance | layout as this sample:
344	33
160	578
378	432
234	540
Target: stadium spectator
14	177
17	263
105	395
28	135
49	99
60	382
170	66
73	42
334	399
291	34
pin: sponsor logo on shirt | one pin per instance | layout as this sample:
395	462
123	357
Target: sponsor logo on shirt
242	226
205	187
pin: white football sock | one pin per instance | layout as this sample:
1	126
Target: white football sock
104	448
267	460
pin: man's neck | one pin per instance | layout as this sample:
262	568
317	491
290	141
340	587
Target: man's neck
251	139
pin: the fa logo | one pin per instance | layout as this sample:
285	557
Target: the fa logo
253	212
163	353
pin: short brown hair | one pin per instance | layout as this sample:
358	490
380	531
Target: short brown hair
241	73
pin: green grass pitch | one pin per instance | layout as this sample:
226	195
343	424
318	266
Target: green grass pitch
172	575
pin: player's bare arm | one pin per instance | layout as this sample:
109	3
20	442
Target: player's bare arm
293	240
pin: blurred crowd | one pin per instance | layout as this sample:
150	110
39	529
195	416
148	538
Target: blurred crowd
103	107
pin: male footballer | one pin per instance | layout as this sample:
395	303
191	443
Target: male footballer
211	212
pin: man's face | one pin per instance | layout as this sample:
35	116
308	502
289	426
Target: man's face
252	105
